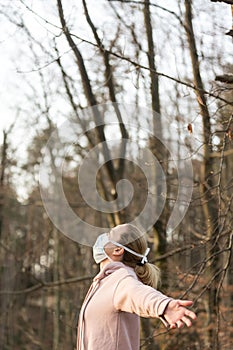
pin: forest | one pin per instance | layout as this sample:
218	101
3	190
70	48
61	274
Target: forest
115	111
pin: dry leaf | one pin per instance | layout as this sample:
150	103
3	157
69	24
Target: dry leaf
190	128
229	133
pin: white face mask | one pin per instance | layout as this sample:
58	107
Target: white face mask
98	248
99	253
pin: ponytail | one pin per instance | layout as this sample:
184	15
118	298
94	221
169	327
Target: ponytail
149	274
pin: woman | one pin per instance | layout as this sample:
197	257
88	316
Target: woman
125	289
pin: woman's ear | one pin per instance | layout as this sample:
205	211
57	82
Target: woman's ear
118	251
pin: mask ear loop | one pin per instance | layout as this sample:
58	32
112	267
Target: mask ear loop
144	259
143	256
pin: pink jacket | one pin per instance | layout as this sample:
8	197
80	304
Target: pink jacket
109	317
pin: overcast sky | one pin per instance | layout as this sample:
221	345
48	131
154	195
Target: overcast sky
12	88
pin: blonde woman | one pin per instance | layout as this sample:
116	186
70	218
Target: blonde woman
124	290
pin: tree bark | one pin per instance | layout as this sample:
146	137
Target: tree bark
56	313
2	178
207	181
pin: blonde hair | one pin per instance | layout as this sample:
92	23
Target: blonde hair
130	236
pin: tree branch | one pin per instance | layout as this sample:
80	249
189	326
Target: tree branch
46	285
230	2
138	65
225	78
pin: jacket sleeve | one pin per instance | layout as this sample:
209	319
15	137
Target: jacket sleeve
133	296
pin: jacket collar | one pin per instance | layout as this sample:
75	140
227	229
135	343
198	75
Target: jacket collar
108	269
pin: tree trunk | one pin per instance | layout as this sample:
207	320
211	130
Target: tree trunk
109	165
156	143
7	260
87	90
56	313
110	84
2	177
207	181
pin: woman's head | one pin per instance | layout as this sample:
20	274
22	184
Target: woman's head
113	245
129	236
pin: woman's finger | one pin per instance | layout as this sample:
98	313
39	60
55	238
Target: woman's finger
187	321
185	302
172	325
190	314
179	324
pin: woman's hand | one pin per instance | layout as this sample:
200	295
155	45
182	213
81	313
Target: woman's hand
177	315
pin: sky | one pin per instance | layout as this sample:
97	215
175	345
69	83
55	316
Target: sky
11	81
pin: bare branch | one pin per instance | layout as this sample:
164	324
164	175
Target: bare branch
139	65
153	5
46	285
230	2
225	78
